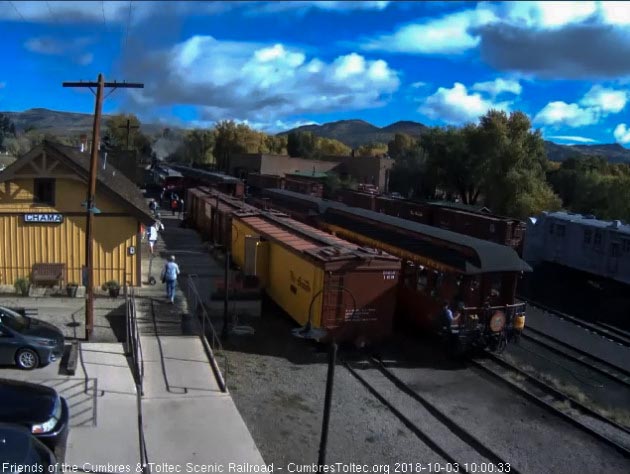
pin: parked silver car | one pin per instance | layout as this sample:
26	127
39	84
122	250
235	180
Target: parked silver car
28	342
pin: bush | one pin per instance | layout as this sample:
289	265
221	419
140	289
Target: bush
111	285
21	286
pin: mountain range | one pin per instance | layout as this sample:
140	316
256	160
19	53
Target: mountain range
353	133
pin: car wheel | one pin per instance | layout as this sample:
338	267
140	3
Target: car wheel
27	359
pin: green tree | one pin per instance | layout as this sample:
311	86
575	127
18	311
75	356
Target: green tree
115	132
515	172
196	148
7	129
372	149
328	147
400	146
301	144
456	158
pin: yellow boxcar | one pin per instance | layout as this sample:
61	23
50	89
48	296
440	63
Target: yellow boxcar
348	291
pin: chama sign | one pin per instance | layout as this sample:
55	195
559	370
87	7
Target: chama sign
53	218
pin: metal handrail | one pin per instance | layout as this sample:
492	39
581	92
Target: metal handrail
215	346
133	347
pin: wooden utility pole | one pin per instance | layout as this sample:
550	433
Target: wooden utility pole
90	202
129	127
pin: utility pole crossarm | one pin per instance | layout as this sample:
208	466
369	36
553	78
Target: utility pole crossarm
117	85
129	128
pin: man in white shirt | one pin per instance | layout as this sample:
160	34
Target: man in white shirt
153	234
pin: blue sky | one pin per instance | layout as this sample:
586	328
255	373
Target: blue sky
277	65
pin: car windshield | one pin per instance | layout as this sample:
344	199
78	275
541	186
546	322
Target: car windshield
13	320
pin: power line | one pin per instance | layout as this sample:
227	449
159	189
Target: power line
127	32
103	10
17	11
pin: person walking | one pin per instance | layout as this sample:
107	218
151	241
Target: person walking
181	207
169	277
153	234
174	204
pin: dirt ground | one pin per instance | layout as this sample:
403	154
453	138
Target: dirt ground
278	385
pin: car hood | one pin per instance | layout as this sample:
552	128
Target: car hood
39	328
25	403
17	446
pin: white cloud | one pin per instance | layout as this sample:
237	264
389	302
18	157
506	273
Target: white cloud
597	103
608	100
418	85
449	34
573	138
622	133
498	86
571	115
615	13
548	14
85	59
457	106
46	45
259	82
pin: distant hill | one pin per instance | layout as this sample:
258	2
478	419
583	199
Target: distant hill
355	133
613	152
64	123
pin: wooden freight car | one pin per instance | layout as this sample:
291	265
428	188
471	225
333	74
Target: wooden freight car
256	182
194	177
210	212
319	280
463	219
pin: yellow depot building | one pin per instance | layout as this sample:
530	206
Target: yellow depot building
43	218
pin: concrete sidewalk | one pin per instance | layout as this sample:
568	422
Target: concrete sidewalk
186	418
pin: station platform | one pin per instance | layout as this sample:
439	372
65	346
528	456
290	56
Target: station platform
186	417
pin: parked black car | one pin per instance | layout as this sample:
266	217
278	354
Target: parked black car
36	407
28	342
19	449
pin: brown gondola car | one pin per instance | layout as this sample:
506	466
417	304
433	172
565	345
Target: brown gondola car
210	212
256	182
195	177
357	199
480	223
477	278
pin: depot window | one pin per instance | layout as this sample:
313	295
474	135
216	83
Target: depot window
44	191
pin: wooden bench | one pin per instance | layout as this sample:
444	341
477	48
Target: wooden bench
48	273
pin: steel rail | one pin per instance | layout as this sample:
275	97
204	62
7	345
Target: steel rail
593	327
436	413
624	450
595	364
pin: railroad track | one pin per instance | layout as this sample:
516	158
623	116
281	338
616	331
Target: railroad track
534	389
485	453
579	356
612	333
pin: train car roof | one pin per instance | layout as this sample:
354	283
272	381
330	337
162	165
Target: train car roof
492	257
199	172
169	173
589	220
